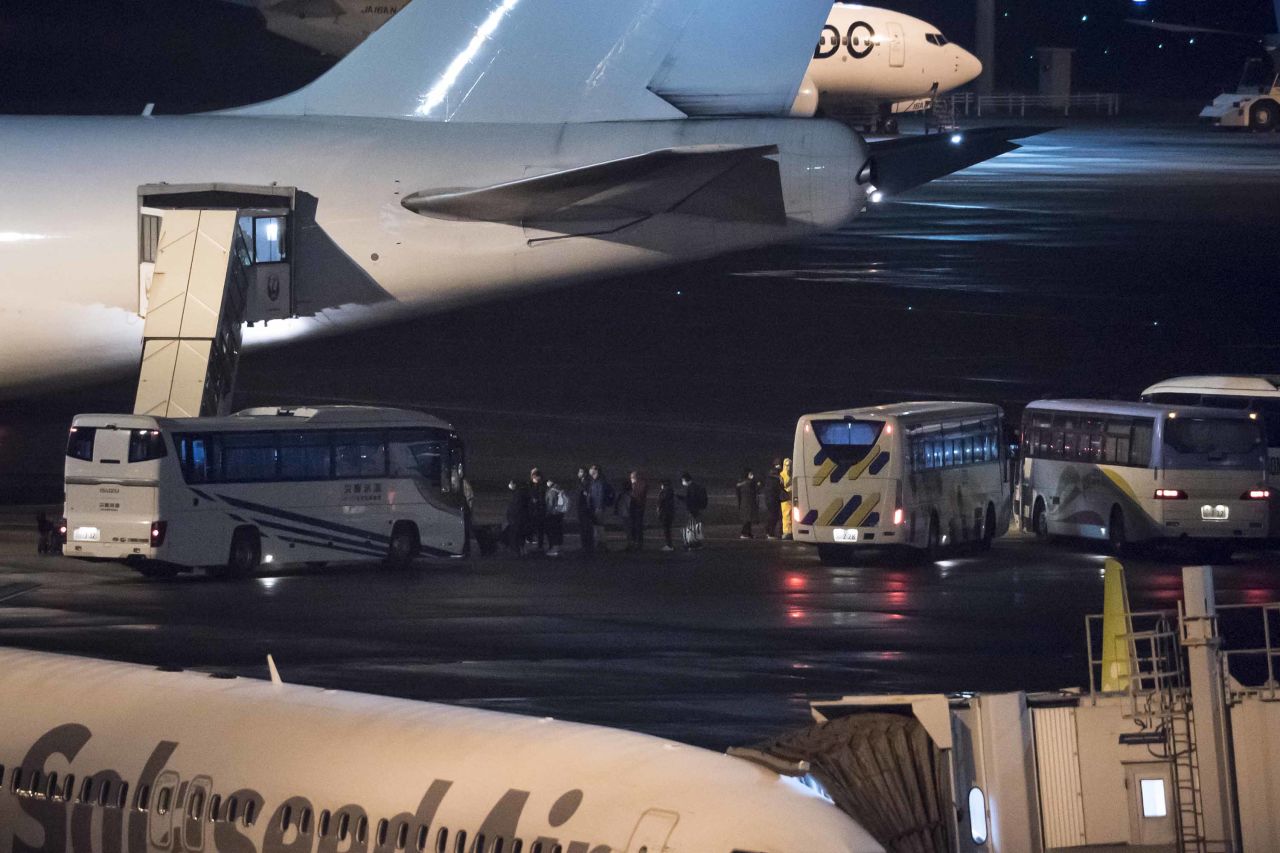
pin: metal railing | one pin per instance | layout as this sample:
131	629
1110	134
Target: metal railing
1269	622
1107	103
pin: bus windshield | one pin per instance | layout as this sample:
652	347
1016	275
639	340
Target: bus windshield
847	442
1191	442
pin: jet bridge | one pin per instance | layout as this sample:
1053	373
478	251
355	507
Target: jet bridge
211	257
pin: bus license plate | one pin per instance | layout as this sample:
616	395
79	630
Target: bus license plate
842	535
1214	513
86	534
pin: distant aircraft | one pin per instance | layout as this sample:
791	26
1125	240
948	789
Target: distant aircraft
178	761
870	63
874	63
464	149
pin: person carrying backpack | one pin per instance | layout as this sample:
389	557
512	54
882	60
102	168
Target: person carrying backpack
695	502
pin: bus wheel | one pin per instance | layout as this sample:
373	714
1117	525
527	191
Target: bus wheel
1115	533
988	529
404	545
933	546
246	553
1040	521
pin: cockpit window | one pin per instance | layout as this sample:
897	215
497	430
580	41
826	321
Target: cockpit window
935	38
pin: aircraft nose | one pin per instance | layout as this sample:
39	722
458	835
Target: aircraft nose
968	66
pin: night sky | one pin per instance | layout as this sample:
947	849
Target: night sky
113	56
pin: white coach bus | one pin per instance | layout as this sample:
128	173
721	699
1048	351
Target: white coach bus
1259	394
1138	472
268	485
923	475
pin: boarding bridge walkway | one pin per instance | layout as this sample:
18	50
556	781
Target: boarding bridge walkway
211	257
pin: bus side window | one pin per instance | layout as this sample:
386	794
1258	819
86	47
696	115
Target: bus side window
1270	411
1140	447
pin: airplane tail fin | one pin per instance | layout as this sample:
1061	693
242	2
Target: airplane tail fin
554	61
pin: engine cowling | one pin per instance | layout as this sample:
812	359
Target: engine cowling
806	102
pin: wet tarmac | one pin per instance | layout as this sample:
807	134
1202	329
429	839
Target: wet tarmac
1093	261
719	647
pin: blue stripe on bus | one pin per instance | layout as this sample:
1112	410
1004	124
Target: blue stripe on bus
301	532
810	517
881	461
305	519
332	547
843	515
872	520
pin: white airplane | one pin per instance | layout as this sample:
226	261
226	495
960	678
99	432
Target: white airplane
464	149
868	59
877	62
118	757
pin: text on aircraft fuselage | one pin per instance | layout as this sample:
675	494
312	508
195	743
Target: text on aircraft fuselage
859	40
152	810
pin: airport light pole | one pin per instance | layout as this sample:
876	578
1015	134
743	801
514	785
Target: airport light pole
984	45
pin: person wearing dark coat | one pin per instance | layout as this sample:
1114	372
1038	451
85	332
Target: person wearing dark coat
748	502
695	501
586	518
536	532
602	501
774	495
666	512
517	518
638	490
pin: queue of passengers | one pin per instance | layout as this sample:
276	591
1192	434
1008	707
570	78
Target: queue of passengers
537	509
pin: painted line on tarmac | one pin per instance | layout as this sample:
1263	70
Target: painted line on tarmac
23	591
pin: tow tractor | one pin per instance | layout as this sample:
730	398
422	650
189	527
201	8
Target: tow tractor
1256	102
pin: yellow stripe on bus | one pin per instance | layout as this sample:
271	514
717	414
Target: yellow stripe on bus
829	513
860	515
856	471
1120	483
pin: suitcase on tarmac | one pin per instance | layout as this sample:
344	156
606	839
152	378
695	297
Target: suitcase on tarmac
693	534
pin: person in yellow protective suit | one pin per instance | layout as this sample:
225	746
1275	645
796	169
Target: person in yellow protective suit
786	503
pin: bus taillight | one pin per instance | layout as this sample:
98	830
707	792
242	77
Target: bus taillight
158	530
795	514
62	528
1170	495
1256	495
897	517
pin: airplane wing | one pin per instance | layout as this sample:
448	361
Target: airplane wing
726	182
1189	29
556	61
906	162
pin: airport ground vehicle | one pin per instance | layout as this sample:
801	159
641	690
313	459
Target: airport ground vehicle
1255	104
261	486
1139	472
1259	394
927	475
